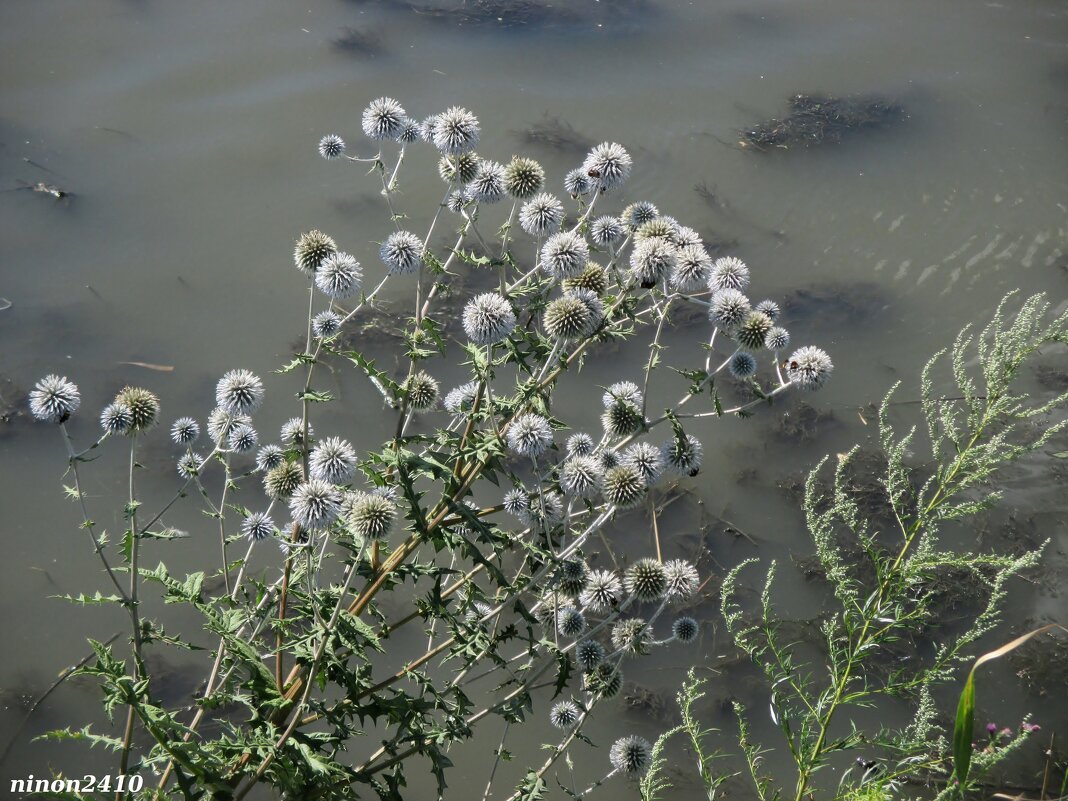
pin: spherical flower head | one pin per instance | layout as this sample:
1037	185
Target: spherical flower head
623	418
243	438
778	338
569	318
461	399
570	622
257	526
693	268
631	754
287	544
592	302
339	276
143	406
770	308
603	591
189	465
427	128
409	131
529	435
624	486
646	580
809	367
457	200
651	261
682	579
686	237
488	319
541	215
292	432
116	418
580	444
683	455
315	504
606	230
637	214
664	228
331	147
269	457
383	119
564	714
728	308
460	168
609	459
185	431
402	252
631	636
577	183
685	629
371	516
753	331
333	460
326	323
456	131
581	476
729	273
311	250
571	577
516	502
742	364
646	459
564	255
54	399
282	481
239	392
488	185
589	654
622	391
608	165
545	512
523	178
422	390
221	423
593	279
604	680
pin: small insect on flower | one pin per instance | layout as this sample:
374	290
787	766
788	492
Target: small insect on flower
333	460
269	457
456	131
315	504
243	438
589	654
331	147
116	418
742	365
312	249
143	406
54	399
257	526
685	629
729	273
383	119
402	252
185	430
339	276
564	255
239	392
422	390
326	323
523	178
541	215
608	165
292	432
630	754
809	367
488	185
684	456
646	580
564	714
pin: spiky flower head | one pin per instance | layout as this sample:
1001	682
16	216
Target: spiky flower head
604	680
312	249
371	515
569	318
54	399
577	183
753	332
488	185
589	654
315	504
686	237
564	255
609	459
570	622
269	457
462	398
631	754
591	301
778	338
663	228
332	460
608	165
427	127
185	430
339	276
545	511
571	577
239	392
682	579
742	364
422	390
683	455
593	278
809	367
282	481
631	636
523	178
646	580
622	418
651	261
728	308
292	431
457	200
402	252
729	273
693	266
770	308
143	406
580	477
637	214
257	526
456	131
529	435
243	438
290	543
516	501
331	147
622	391
541	215
460	168
646	459
409	131
624	486
605	230
383	119
222	422
685	629
188	465
603	591
580	444
326	323
564	714
488	319
116	418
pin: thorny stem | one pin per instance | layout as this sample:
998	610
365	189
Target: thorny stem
132	602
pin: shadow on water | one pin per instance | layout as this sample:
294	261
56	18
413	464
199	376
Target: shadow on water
532	15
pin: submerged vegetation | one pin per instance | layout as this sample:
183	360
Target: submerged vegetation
823	119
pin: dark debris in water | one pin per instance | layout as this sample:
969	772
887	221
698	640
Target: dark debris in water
836	302
1042	663
358	42
519	14
553	133
804	423
823	119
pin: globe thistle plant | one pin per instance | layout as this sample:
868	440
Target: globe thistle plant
516	502
683	455
461	399
589	654
282	481
577	183
753	331
116	418
222	422
631	755
624	486
422	391
269	457
604	680
770	308
326	323
809	367
312	249
371	515
637	214
544	512
331	147
488	318
622	391
651	261
608	165
292	432
646	580
693	267
54	399
409	131
603	591
685	629
564	255
239	392
188	465
632	636
315	504
742	365
593	278
569	318
646	458
243	438
581	476
185	431
606	230
402	253
458	200
339	276
682	579
383	119
541	215
777	339
580	444
728	308
729	273
460	168
456	131
529	435
570	622
488	185
564	714
523	178
143	406
333	460
257	526
622	419
571	577
686	237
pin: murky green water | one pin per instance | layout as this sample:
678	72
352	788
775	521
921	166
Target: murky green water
187	133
